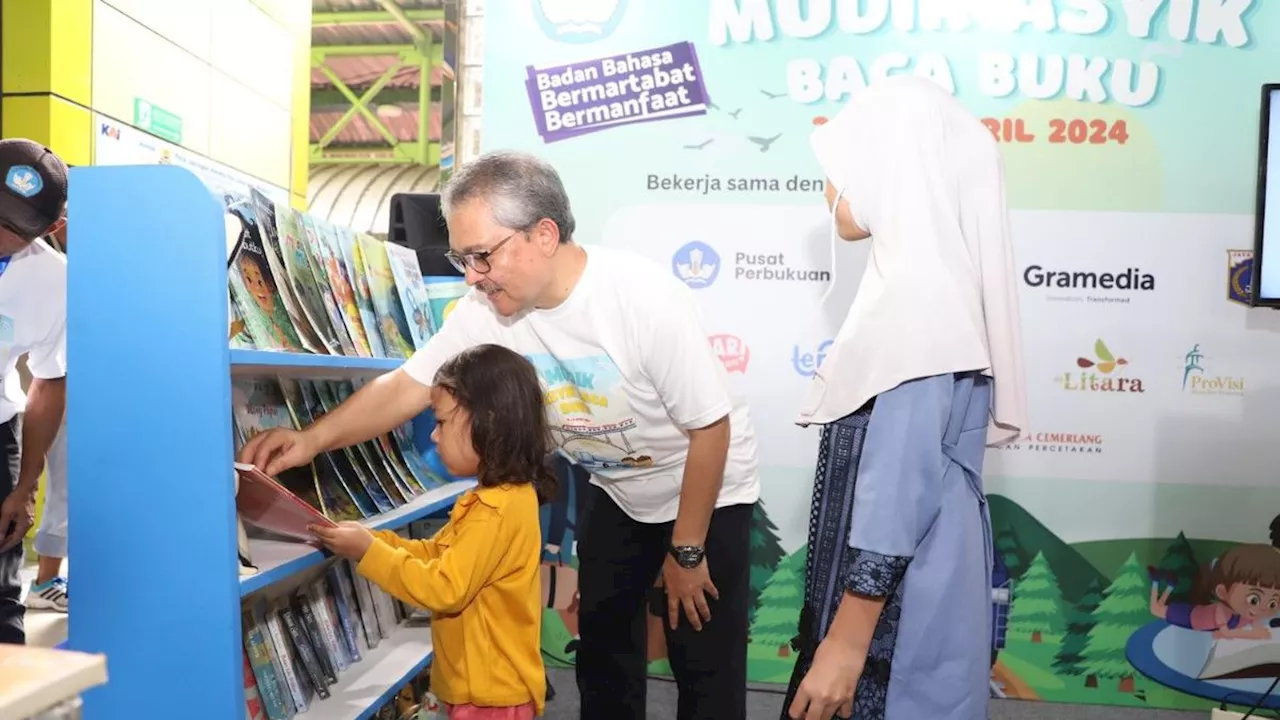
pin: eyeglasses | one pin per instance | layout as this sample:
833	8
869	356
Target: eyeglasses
478	261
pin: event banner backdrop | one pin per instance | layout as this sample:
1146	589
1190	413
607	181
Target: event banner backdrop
1134	526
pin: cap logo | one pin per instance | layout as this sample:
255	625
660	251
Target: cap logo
24	180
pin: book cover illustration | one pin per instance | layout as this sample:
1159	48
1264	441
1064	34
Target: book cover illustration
330	255
252	699
269	505
413	292
342	498
257	406
277	706
406	482
270	231
353	258
442	294
282	658
368	450
312	246
380	491
237	336
254	287
386	303
303	281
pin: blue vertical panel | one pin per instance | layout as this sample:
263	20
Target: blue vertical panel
152	508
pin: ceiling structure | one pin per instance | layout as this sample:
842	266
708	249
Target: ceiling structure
381	89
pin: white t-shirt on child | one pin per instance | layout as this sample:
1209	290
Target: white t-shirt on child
626	370
33	319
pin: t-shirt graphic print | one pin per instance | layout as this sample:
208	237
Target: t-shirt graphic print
588	411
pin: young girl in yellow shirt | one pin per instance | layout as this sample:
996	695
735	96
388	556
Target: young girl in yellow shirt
479	575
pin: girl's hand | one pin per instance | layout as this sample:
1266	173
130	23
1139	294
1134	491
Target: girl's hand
350	539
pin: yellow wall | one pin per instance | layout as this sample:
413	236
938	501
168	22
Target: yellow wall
235	71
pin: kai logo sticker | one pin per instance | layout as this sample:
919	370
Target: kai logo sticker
732	352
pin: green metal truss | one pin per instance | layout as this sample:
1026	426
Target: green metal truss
423	54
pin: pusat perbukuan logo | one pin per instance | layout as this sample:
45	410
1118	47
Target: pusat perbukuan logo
579	21
697	264
1102	373
732	351
1239	276
1198	382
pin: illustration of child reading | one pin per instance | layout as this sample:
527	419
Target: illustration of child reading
1234	598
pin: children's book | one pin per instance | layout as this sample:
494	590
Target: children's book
386	302
380	492
270	232
443	294
412	291
293	245
353	257
404	480
368	450
254	286
315	260
329	252
267	504
258	405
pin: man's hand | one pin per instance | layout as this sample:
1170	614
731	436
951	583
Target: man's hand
17	515
688	588
277	450
350	539
827	689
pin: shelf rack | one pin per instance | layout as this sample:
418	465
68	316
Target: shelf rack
151	499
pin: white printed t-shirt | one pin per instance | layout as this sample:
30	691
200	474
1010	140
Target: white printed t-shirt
33	319
626	370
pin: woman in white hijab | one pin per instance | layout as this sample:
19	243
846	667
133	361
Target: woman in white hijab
924	374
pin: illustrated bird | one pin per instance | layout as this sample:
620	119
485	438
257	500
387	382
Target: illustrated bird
735	113
764	143
712	105
771	96
700	145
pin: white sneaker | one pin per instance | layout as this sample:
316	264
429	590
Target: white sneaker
51	595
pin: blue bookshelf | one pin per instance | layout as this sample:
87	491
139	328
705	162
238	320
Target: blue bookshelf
151	495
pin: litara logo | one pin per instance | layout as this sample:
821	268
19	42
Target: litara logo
1197	382
1102	373
732	352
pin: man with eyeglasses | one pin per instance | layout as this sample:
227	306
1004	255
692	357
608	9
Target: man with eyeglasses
33	308
635	395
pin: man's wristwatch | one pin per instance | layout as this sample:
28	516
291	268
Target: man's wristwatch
688	556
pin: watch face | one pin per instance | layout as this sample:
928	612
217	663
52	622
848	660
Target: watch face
688	557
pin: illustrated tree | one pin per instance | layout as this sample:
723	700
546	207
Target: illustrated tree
1125	607
1178	567
1011	551
777	617
1070	657
766	553
1038	607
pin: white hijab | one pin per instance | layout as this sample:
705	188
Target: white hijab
939	294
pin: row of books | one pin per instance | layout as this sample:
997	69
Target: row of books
349	484
298	283
297	646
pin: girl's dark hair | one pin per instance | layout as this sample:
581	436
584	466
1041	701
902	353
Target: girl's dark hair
500	389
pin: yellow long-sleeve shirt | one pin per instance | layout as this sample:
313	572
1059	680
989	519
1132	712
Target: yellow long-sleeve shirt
479	576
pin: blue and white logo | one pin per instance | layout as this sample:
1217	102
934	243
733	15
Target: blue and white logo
24	180
579	21
697	264
806	363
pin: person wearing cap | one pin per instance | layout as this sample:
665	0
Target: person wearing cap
33	304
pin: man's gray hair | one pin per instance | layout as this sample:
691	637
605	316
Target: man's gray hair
519	188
